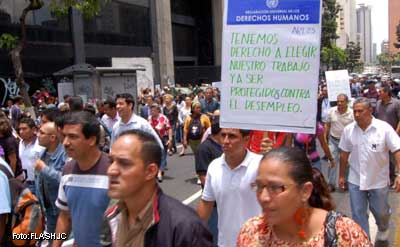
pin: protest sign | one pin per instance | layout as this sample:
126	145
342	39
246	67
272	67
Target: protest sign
271	51
217	84
65	88
337	82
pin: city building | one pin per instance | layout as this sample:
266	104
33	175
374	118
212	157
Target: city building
394	21
179	39
347	23
374	53
385	46
364	33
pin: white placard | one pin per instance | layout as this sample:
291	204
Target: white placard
113	85
65	88
217	84
337	82
271	54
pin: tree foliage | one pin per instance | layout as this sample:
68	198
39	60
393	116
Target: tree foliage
89	8
15	45
8	41
353	55
329	24
397	44
386	60
334	58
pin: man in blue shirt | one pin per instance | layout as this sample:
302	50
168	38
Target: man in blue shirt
129	120
82	196
48	169
209	104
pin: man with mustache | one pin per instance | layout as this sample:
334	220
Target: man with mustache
82	196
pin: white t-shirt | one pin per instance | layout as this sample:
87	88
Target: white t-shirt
28	155
236	202
339	121
109	122
5	202
369	153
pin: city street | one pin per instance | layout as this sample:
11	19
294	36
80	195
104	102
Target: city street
180	183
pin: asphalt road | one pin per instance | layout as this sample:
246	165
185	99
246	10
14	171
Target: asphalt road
180	183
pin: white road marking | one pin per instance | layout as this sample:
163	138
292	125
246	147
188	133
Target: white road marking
68	243
192	198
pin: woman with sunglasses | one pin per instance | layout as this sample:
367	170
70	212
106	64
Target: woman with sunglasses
297	207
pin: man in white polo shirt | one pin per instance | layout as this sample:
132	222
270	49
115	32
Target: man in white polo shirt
365	146
29	150
338	118
228	184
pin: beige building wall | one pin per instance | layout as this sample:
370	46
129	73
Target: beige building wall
394	20
347	23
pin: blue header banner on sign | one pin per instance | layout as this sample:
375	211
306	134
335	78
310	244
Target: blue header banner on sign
273	12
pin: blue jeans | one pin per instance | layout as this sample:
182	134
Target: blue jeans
179	134
163	164
31	187
51	223
213	225
317	164
332	172
378	202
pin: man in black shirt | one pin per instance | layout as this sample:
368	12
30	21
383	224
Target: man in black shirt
208	150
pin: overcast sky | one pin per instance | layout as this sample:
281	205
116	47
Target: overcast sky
379	21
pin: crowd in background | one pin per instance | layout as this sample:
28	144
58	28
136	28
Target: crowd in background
70	138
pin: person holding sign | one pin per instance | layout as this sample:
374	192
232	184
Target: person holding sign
307	142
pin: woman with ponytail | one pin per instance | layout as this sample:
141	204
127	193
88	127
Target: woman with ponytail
297	207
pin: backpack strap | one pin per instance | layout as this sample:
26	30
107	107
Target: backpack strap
330	229
106	129
6	171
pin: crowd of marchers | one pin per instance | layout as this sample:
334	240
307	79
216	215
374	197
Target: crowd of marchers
94	169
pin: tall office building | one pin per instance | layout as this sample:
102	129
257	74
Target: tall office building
364	32
385	46
347	23
374	53
394	21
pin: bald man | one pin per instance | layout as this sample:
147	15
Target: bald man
48	171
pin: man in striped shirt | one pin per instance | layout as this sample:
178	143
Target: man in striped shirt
82	196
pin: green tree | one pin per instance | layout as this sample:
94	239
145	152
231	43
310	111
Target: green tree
353	55
386	60
329	24
334	58
397	45
15	46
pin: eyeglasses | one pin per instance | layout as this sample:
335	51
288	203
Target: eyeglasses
273	189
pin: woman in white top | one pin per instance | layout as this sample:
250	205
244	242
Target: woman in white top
183	113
